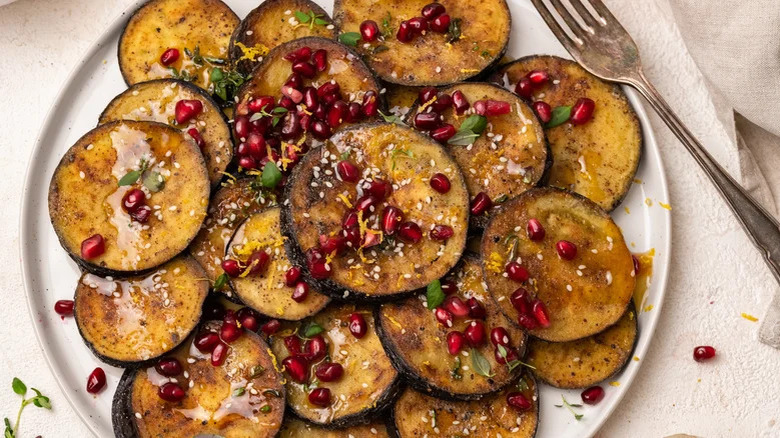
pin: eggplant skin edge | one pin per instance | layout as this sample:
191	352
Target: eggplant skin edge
122	416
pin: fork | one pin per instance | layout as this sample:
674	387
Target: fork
600	44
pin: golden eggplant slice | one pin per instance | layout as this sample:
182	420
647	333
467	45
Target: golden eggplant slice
275	22
583	294
597	159
368	382
295	428
401	99
87	191
510	157
388	172
417	343
267	292
242	397
199	29
477	38
585	362
156	101
416	415
130	321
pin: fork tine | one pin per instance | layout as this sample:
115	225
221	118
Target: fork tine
569	19
587	17
570	45
604	12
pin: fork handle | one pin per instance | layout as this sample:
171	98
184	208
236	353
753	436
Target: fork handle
759	225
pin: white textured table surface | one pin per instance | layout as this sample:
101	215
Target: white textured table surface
715	275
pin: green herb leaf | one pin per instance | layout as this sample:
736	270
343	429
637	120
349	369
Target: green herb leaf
577	416
560	115
216	75
154	181
463	138
474	123
265	409
130	178
453	33
434	294
349	38
480	364
271	175
38	400
380	48
19	387
221	281
386	29
238	392
313	329
224	83
391	118
302	16
320	22
485	54
279	110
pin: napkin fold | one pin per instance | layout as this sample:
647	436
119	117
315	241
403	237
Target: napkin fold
736	45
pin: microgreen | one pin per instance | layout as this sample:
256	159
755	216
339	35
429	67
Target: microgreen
453	33
183	75
434	294
469	130
560	114
386	29
238	392
312	329
391	118
275	114
311	18
154	181
221	281
349	38
131	177
480	364
570	407
265	409
271	175
511	364
38	400
225	83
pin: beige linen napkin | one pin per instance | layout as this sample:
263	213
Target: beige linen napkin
736	45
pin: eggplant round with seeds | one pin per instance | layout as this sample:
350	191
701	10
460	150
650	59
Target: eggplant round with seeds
295	428
583	295
156	101
414	341
272	23
244	396
597	159
477	38
199	29
135	320
370	265
86	198
267	292
369	382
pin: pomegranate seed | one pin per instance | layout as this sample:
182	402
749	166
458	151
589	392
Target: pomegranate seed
499	336
241	126
442	102
441	24
405	32
535	230
427	93
540	313
305	69
320	397
369	31
320	58
443	133
380	189
370	107
219	354
315	349
636	264
417	25
229	332
256	146
320	129
520	301
460	102
96	380
64	307
350	220
295	95
169	367
302	54
440	183
449	287
301	292
592	395
455	341
260	126
195	134
410	232
310	98
142	214
330	88
543	110
291	127
475	334
169	56
293	344
247	163
338	113
286	103
297	368
566	250
294	81
518	401
291	276
261	103
516	272
443	316
348	171
527	322
257	262
702	353
366	203
455	306
426	121
187	109
497	108
476	310
317	265
369	240
357	325
231	267
329	371
432	10
391	219
511	355
92	247
538	77
331	245
480	204
524	88
206	341
354	112
480	107
582	111
248	318
171	392
441	232
271	327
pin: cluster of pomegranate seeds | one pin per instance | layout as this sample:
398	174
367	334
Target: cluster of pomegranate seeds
170	391
292	278
581	112
64	307
255	265
92	247
434	103
433	17
532	313
96	380
703	352
169	56
592	395
134	203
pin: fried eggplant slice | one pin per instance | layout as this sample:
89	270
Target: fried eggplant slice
585	362
584	294
267	292
156	101
130	321
597	159
417	342
400	99
508	158
87	191
416	415
275	22
199	29
368	256
369	382
244	396
477	38
295	428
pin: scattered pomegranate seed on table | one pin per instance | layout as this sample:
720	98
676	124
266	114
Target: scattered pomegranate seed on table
96	380
64	307
592	395
703	353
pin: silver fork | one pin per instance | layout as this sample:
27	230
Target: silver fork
602	46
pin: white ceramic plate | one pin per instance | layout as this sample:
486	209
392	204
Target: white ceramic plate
50	275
